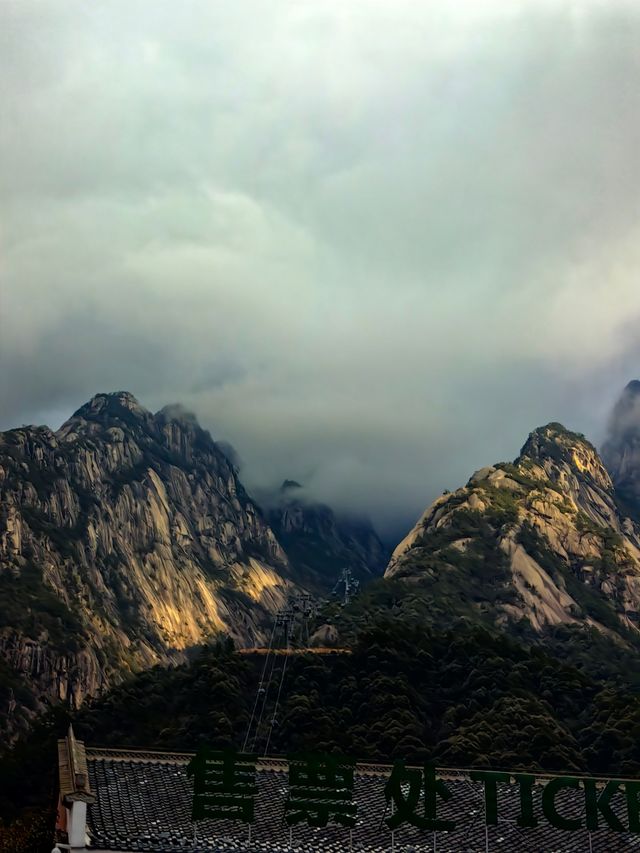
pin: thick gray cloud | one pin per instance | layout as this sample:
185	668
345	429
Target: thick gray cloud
372	243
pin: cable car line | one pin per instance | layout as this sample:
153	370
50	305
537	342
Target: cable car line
260	687
299	611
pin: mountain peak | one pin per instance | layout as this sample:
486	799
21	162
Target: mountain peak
562	453
112	403
624	423
127	538
555	431
116	408
621	450
541	538
555	441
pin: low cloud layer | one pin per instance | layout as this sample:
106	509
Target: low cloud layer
372	244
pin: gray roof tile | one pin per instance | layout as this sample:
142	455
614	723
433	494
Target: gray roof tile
143	803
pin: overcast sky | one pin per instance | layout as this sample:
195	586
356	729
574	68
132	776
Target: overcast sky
371	243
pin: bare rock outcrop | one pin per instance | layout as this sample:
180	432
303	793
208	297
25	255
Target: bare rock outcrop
125	538
542	539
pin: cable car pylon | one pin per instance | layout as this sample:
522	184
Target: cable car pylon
298	613
349	584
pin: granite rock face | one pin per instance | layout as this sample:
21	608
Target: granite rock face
126	538
541	539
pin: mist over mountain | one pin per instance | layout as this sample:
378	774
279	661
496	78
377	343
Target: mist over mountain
366	274
344	258
621	449
127	538
321	543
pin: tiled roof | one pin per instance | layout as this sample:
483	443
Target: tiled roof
72	770
143	803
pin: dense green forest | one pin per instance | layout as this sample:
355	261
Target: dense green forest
464	696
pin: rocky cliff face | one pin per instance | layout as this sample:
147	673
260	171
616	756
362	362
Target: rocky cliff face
621	450
125	538
319	543
542	539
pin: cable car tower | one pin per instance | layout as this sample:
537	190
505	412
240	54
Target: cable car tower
349	584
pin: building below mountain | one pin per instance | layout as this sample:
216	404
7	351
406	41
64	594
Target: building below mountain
139	801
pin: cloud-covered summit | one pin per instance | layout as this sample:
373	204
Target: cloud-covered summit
621	449
372	244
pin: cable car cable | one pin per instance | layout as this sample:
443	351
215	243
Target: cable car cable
260	683
264	698
275	710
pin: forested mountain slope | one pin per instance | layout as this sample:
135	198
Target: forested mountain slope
126	537
541	540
